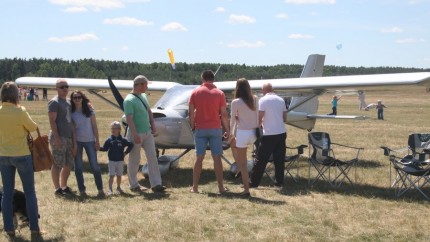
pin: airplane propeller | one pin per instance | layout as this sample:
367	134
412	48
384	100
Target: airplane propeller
119	99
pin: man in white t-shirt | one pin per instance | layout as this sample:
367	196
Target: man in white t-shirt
272	116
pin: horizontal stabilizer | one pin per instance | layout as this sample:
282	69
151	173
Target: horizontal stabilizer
316	116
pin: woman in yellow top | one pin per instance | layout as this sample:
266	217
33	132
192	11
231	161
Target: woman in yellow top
15	155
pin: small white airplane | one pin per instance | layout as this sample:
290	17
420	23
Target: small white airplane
171	111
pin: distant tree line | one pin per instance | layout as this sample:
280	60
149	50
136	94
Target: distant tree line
11	69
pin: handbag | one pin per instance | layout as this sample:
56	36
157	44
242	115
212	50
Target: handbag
258	130
40	153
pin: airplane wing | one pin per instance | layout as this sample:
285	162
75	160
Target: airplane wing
296	86
316	116
49	82
335	83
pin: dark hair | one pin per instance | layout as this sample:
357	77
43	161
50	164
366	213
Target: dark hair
9	93
243	91
85	108
208	75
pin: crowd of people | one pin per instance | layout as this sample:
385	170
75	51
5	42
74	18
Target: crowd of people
31	94
73	128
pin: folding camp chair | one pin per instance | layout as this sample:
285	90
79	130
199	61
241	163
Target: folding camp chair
411	165
323	159
290	161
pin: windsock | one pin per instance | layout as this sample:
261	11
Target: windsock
172	58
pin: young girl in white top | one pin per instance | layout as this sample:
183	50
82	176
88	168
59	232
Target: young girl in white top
244	115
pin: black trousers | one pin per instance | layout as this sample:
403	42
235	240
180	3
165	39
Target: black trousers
270	145
381	114
334	111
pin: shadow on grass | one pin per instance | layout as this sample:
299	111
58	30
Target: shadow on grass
368	164
156	196
231	195
182	177
19	238
363	190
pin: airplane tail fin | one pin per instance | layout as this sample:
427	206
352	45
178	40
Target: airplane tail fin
309	103
314	66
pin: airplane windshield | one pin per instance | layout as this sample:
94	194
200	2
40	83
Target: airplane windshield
176	96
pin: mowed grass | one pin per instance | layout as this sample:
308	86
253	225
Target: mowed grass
367	212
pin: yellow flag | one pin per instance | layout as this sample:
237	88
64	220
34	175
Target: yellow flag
172	58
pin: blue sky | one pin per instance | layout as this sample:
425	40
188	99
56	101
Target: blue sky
252	32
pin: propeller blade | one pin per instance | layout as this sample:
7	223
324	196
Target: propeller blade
119	99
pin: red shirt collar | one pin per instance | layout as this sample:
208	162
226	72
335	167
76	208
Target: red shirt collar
208	84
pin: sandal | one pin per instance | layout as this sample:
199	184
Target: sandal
224	192
196	192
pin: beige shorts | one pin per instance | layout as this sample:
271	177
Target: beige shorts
116	168
62	155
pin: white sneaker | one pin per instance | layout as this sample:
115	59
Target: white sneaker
109	192
119	190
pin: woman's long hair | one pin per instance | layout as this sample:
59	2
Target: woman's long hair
243	91
85	108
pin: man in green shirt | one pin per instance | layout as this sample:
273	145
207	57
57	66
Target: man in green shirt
140	132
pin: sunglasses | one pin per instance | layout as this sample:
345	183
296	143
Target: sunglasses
62	87
77	97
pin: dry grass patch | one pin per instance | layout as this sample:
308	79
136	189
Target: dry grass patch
367	212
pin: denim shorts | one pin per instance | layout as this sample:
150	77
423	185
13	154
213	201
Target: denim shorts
205	137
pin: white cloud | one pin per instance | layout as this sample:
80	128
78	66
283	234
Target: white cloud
127	21
173	26
392	30
96	5
427	59
74	38
282	16
300	36
246	44
311	1
93	4
124	48
136	1
410	41
76	10
241	19
220	10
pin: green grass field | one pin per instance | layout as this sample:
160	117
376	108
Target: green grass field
367	212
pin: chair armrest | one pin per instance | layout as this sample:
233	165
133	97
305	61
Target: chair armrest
299	148
387	150
352	147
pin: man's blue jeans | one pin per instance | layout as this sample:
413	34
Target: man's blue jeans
92	159
8	167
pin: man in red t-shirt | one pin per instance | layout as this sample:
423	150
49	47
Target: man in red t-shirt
207	103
